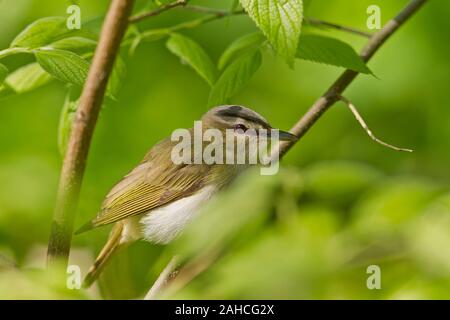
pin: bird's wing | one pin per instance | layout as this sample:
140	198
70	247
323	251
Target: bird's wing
150	186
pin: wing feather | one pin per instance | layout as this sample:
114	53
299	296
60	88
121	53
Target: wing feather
156	181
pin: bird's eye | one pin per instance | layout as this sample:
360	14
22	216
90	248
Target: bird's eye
241	127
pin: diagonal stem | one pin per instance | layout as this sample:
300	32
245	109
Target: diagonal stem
163	279
157	11
318	22
337	88
366	128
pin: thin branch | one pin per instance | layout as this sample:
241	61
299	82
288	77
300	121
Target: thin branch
175	282
157	11
363	124
318	22
10	51
311	21
163	279
113	29
333	93
207	10
218	12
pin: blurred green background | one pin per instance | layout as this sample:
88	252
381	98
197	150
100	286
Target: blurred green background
340	204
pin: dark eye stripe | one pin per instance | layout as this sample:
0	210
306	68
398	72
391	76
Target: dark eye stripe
240	126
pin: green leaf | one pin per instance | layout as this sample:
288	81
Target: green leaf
236	76
194	55
94	25
338	183
65	122
116	79
27	78
154	34
78	45
330	51
3	72
63	65
234	5
306	4
42	32
280	21
240	46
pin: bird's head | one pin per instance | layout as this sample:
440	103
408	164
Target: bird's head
241	119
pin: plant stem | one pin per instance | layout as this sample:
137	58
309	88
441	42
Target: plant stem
311	21
334	92
318	22
11	51
157	11
113	29
218	12
366	128
163	279
156	34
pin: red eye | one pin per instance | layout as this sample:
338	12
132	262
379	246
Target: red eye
241	127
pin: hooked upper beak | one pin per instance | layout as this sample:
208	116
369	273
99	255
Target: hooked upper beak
286	136
282	135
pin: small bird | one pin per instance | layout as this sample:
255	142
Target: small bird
158	198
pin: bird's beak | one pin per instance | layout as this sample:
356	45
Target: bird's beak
286	136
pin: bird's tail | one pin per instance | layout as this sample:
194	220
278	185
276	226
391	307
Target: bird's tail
104	256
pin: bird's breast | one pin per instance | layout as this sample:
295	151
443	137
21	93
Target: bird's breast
163	224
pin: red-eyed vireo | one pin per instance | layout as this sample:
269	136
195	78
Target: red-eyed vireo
159	197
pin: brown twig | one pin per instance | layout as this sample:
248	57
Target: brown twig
113	29
220	13
311	21
334	92
157	11
366	128
318	22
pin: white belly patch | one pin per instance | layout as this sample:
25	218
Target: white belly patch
164	224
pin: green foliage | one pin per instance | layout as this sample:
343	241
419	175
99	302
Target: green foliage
117	78
385	210
64	65
154	34
240	46
313	251
26	78
305	233
60	53
234	77
429	236
42	32
3	72
193	54
330	51
335	181
78	45
234	5
306	4
65	122
280	21
36	284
